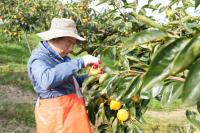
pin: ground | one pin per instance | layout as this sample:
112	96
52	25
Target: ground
12	100
167	122
10	93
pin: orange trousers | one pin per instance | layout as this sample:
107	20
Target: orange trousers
65	114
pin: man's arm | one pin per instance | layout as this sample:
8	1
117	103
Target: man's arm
49	77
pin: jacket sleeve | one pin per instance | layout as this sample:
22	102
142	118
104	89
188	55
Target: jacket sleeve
81	78
51	77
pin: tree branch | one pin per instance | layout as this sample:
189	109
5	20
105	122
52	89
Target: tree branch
176	78
185	19
148	21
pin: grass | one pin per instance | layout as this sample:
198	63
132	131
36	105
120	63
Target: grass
160	126
14	56
157	106
15	53
20	112
17	117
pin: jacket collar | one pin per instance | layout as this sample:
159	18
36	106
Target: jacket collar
44	46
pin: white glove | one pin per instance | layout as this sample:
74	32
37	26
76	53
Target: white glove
89	59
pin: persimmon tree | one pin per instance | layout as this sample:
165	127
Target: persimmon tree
144	59
26	16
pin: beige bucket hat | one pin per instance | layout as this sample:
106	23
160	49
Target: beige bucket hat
61	27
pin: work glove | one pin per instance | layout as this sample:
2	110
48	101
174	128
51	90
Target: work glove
89	59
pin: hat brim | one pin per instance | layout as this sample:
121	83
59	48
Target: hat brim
50	34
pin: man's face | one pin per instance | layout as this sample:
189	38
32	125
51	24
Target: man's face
67	44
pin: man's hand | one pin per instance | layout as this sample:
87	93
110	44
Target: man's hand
89	59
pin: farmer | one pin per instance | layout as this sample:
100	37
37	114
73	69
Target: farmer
60	106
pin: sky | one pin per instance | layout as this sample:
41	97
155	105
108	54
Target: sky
160	17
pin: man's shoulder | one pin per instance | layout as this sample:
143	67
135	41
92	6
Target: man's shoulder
38	54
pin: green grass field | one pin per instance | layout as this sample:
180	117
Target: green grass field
14	56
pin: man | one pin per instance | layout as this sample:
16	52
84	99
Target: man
60	106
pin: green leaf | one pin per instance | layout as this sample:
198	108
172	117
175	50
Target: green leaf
198	106
149	1
114	125
115	85
191	88
135	86
109	83
148	21
103	77
93	89
101	2
110	58
102	127
161	65
126	91
119	86
162	9
189	53
144	103
138	130
88	81
131	108
117	18
91	112
130	5
171	92
187	3
108	112
173	2
101	114
125	62
194	118
156	89
145	36
197	2
120	129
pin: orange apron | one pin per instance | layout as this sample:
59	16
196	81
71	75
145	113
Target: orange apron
65	114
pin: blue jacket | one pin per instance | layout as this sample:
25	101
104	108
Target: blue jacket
51	74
